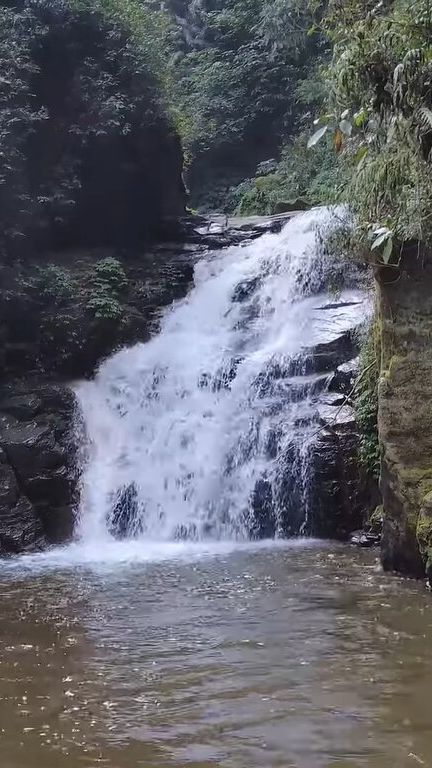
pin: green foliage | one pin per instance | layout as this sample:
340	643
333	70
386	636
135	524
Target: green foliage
144	24
55	285
301	175
74	73
106	307
108	283
110	275
366	403
236	71
18	119
379	85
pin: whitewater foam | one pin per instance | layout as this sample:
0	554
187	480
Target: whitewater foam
187	435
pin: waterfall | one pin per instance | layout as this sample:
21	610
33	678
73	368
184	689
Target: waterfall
204	432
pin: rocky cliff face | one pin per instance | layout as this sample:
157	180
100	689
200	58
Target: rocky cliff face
405	415
90	178
38	475
341	493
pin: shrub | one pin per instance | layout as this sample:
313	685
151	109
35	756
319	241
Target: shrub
317	177
109	273
55	284
105	307
108	281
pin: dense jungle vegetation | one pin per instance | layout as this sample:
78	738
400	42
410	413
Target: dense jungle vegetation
245	75
276	104
253	76
242	82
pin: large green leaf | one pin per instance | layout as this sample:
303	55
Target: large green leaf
382	237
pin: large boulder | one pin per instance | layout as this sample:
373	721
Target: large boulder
21	529
341	493
38	473
320	488
405	415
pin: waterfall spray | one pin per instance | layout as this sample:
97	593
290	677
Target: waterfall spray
202	433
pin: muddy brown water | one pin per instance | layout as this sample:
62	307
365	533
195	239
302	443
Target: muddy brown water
304	656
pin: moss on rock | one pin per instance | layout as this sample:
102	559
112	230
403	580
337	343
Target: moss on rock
405	416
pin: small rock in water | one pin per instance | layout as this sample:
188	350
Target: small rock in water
364	539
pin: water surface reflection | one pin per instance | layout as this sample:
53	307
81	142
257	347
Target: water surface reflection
304	657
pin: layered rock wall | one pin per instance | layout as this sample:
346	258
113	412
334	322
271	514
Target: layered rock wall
38	471
405	414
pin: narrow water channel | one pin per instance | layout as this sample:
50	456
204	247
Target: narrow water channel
291	656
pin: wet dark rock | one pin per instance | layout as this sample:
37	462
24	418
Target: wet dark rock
333	341
225	376
9	491
344	377
38	473
255	226
290	492
21	529
59	522
364	539
336	416
339	492
284	206
319	488
21	406
219	230
30	448
263	524
245	289
273	442
326	356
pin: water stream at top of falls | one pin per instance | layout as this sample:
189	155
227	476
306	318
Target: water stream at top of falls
203	432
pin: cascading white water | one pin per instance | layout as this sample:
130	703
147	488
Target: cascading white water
186	433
